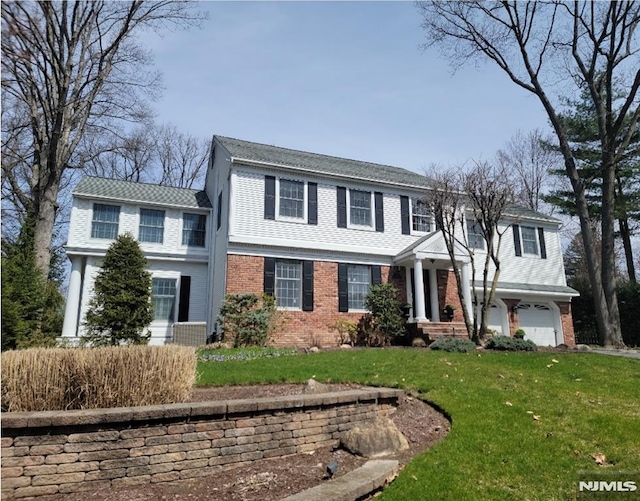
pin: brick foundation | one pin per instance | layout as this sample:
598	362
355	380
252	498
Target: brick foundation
61	452
316	328
301	328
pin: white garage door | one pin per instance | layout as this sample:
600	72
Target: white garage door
537	321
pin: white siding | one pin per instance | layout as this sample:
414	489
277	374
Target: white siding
160	331
251	227
82	214
528	269
218	182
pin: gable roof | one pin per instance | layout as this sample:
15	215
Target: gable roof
129	191
276	156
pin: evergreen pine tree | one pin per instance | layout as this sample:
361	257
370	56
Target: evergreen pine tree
121	307
32	306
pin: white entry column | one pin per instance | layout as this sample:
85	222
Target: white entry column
433	295
420	313
466	288
70	325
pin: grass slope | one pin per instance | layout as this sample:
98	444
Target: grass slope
585	404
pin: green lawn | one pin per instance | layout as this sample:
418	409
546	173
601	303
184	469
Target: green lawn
586	403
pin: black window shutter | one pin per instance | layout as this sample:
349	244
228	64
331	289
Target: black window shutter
342	207
307	286
404	214
185	293
516	239
269	275
219	218
269	197
376	275
343	288
312	201
543	245
379	211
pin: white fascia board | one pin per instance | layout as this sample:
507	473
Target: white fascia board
527	294
311	246
306	170
154	256
297	253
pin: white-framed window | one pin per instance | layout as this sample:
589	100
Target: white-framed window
288	284
360	211
420	216
163	296
475	236
291	199
529	240
105	221
359	284
151	226
194	228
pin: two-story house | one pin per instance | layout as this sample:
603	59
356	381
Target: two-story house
317	231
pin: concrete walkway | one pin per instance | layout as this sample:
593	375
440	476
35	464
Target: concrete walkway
370	477
618	353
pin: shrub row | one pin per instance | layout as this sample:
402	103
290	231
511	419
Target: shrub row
90	378
505	343
454	345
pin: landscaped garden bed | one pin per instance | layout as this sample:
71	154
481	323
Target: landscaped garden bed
523	424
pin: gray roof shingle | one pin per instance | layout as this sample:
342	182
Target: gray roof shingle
116	189
324	164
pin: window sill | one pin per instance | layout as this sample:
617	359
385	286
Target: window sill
360	227
296	220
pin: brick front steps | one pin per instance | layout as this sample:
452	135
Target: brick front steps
430	331
67	451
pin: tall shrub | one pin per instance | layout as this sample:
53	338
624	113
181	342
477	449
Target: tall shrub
121	307
32	306
248	319
385	321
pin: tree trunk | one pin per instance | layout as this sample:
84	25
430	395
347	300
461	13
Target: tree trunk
625	235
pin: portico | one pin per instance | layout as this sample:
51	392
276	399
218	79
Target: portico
422	262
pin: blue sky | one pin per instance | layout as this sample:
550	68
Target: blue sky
340	78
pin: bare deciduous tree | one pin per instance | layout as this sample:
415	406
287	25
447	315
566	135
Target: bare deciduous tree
151	154
182	158
549	49
480	198
70	69
525	157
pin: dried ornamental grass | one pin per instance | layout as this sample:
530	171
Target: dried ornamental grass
89	378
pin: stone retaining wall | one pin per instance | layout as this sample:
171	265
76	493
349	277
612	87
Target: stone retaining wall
68	451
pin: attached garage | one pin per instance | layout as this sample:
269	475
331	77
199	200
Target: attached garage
538	322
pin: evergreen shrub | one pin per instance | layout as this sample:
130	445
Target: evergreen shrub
505	343
248	319
454	345
121	308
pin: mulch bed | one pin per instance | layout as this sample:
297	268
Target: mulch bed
274	479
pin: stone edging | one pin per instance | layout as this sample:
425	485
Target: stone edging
66	451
